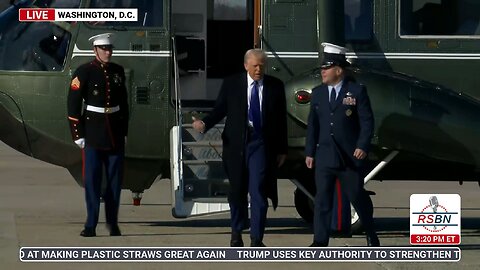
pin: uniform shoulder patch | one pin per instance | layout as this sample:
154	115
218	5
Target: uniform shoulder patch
75	84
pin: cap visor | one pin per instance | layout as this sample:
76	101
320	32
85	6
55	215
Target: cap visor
104	47
327	65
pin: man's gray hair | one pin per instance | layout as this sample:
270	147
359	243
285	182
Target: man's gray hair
258	53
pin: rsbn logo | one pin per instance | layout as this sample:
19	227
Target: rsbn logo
435	219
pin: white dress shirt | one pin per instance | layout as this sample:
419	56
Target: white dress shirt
337	87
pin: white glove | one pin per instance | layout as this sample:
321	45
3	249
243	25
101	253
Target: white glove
80	142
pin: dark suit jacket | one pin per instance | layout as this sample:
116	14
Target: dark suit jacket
334	133
232	103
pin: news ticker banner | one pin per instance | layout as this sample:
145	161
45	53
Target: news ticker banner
277	254
77	14
435	219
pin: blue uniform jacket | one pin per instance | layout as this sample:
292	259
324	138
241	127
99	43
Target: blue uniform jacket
334	132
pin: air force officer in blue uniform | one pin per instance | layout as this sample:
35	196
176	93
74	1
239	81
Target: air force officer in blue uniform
340	127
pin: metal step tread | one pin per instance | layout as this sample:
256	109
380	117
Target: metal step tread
191	126
203	143
201	161
211	200
211	179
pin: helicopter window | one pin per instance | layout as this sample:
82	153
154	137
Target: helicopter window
358	20
33	46
9	9
36	46
150	12
440	17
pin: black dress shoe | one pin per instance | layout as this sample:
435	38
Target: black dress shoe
114	230
318	244
372	241
88	232
236	240
314	244
257	243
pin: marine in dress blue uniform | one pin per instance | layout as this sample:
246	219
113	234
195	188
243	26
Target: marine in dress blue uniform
98	117
340	128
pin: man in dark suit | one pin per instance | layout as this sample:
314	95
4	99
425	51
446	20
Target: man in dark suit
98	117
340	128
254	143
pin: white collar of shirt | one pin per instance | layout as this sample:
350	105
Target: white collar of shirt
337	87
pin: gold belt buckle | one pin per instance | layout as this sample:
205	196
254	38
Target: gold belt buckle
107	110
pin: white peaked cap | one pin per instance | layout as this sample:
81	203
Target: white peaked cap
334	49
102	39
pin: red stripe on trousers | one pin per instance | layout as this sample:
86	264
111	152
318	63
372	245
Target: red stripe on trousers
83	166
339	209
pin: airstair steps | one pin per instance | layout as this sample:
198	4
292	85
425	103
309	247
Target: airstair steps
203	173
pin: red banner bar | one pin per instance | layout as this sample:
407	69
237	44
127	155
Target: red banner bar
36	14
435	239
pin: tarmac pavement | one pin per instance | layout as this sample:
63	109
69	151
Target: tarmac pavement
41	205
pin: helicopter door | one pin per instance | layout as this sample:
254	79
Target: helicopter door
210	39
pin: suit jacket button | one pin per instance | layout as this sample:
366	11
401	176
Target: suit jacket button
331	134
331	124
331	114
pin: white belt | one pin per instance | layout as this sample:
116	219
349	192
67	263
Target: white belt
102	109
